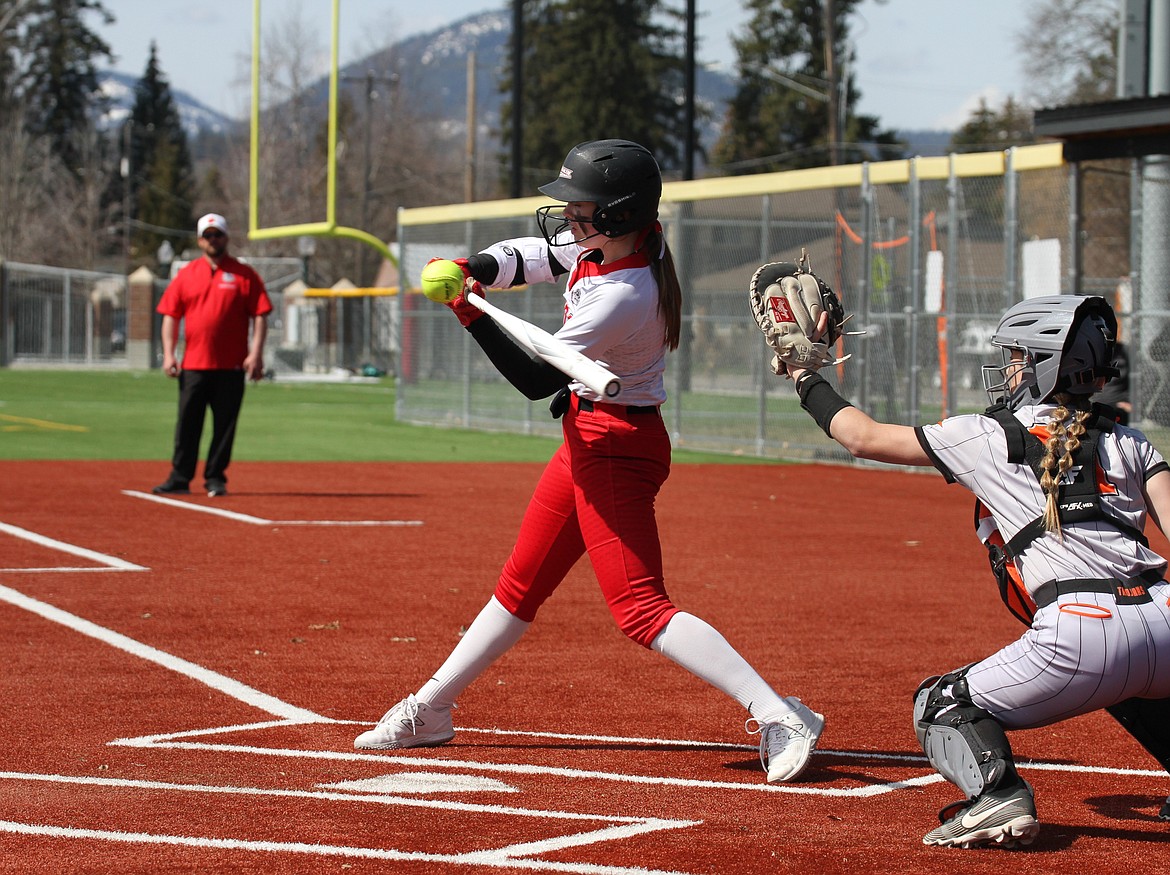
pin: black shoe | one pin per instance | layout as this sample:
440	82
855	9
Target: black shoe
172	487
216	488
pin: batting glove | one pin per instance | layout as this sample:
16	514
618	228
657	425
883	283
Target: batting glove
464	310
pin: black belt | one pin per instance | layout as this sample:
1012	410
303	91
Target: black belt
1125	592
588	406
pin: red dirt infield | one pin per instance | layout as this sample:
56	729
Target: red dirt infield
183	680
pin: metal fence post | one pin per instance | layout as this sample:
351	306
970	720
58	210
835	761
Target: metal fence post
1011	229
912	299
1137	323
950	284
1076	195
762	387
864	283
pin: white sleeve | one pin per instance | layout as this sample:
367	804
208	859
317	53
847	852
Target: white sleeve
534	254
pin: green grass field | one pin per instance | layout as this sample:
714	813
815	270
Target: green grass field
94	415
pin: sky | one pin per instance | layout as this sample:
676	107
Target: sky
920	64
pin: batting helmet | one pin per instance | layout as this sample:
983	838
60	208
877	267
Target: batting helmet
620	176
1067	345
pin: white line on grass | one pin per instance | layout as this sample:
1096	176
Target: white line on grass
540	770
260	521
335	796
617	826
108	563
492	859
214	680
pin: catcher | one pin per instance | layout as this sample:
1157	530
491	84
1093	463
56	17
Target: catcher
1099	633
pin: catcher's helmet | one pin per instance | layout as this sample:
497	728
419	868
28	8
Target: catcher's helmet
620	176
1067	345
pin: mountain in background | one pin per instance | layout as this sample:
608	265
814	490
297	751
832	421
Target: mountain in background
196	118
432	69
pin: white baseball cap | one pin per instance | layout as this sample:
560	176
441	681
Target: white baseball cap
212	220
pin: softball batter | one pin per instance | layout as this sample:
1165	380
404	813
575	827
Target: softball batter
596	496
1069	491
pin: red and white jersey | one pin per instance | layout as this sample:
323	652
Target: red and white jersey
217	305
611	316
972	450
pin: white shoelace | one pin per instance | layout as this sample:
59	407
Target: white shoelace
774	736
409	708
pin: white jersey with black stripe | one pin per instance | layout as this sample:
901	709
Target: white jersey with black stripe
972	450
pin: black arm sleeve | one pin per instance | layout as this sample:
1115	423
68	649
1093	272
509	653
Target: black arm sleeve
483	267
534	377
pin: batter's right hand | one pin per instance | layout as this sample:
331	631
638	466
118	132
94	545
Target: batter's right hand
464	310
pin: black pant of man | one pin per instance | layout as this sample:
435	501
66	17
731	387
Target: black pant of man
223	392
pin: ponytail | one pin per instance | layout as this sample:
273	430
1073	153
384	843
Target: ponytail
669	288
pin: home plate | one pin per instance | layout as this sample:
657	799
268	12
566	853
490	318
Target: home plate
422	782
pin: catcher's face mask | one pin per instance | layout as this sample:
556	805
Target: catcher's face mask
1002	382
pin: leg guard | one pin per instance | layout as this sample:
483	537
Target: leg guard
1148	721
963	741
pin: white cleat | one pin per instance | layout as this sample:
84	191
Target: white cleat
410	723
787	744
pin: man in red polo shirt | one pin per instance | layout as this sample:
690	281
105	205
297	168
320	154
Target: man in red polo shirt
218	299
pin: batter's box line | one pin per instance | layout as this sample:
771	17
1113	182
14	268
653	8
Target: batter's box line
517	855
260	521
171	742
105	562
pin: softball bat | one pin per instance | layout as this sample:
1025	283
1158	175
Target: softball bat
557	353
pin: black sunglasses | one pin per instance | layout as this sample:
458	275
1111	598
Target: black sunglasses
213	235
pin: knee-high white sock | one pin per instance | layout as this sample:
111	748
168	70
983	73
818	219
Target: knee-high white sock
486	639
700	649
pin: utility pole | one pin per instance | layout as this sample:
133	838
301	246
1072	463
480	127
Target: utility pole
690	145
517	96
127	141
469	171
371	79
834	97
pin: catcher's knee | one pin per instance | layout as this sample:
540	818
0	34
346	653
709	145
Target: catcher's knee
964	742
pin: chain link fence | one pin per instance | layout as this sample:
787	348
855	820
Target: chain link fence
61	317
926	254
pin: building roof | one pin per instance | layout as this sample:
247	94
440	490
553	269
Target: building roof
1128	128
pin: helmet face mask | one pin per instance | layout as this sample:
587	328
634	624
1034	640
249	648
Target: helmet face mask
619	177
1066	345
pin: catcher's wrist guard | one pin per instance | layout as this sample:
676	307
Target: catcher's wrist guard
819	399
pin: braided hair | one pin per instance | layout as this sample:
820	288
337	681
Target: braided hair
1065	430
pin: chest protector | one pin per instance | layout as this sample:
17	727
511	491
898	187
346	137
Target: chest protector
1078	501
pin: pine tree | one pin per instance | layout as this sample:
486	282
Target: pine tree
595	69
989	130
161	177
779	116
58	80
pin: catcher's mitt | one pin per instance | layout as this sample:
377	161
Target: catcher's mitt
787	301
